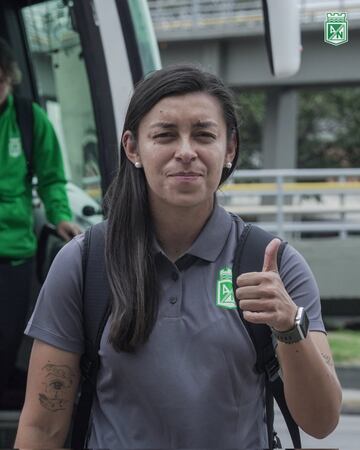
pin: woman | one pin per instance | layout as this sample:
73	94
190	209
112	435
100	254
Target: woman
176	369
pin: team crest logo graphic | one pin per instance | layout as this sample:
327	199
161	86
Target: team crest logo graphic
224	289
14	147
336	28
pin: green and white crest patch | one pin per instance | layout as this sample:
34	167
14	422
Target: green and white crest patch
15	147
224	289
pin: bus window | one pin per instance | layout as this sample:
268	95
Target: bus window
63	89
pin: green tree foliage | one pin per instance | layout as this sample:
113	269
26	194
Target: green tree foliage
329	128
251	111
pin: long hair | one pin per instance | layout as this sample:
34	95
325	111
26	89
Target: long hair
129	256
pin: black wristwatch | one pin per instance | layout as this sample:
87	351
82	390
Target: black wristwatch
296	334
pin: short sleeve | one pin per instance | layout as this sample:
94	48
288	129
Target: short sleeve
57	317
301	285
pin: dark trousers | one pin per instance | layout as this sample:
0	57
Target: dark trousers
15	293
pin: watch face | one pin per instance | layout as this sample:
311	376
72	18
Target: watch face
303	324
299	315
299	331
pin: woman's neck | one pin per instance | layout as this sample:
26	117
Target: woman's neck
176	228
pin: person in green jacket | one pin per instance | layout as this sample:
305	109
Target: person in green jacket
17	238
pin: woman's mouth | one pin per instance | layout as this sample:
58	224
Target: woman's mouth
186	176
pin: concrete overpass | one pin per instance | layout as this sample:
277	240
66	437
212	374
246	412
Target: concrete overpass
239	56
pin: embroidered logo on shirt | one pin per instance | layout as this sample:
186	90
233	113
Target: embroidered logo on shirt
14	147
224	289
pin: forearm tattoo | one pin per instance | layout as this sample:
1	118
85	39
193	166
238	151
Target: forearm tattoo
327	359
57	383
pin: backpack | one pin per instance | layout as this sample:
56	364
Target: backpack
248	257
25	121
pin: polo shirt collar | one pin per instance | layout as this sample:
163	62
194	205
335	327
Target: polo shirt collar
211	240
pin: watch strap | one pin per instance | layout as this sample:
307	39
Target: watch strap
298	332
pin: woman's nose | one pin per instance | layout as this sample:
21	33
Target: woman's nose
185	152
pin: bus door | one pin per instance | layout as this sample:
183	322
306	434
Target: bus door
79	60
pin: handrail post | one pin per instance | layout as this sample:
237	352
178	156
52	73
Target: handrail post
195	13
343	232
280	204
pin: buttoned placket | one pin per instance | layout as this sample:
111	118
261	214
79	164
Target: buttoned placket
170	279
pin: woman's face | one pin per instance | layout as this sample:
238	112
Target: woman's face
182	145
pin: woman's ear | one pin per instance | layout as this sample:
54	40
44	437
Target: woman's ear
231	148
130	147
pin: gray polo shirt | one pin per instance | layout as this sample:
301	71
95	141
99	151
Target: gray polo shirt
193	383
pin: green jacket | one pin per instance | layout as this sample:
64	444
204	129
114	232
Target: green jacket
17	238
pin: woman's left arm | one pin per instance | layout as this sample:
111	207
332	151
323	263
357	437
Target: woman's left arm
312	390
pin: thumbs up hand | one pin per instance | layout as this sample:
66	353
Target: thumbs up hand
262	295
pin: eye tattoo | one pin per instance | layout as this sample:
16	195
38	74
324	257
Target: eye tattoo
57	382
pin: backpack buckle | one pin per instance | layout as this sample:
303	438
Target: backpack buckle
272	368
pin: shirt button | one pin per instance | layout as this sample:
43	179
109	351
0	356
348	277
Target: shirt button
174	276
173	300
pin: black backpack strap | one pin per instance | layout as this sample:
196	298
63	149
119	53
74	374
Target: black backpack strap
249	257
96	310
25	120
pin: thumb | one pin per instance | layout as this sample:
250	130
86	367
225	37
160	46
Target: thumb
270	257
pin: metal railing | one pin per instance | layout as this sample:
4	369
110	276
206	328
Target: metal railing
185	14
168	15
315	10
297	203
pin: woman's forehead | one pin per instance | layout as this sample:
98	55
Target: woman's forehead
197	106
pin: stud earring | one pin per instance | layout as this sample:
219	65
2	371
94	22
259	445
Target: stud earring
138	165
228	165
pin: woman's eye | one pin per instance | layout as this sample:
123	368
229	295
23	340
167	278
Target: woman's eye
163	135
206	136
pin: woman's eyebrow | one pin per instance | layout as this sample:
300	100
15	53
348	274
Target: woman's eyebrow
205	124
163	125
197	124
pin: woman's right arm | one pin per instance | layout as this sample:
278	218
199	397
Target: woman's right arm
52	385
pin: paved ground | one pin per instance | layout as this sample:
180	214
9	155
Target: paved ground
345	437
